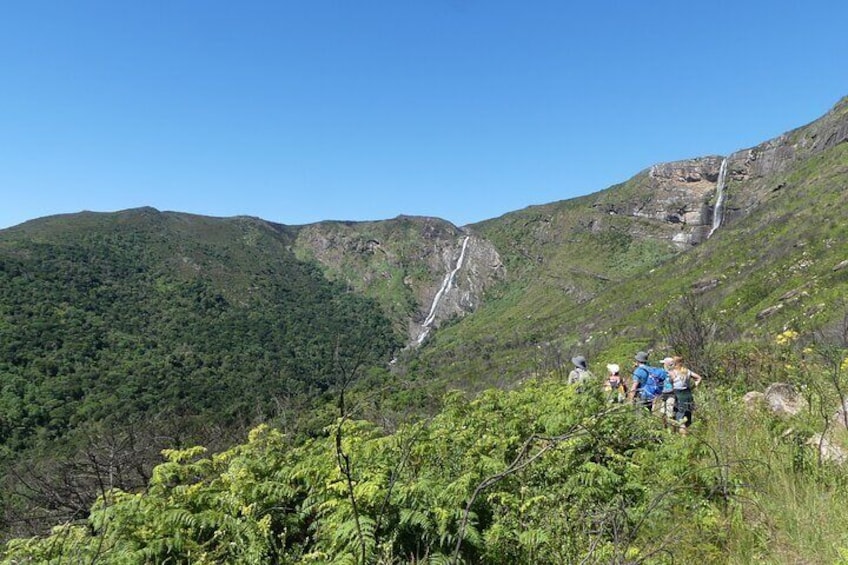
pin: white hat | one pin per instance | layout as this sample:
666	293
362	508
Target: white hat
613	368
668	361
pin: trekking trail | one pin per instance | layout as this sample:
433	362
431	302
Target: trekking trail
446	285
717	211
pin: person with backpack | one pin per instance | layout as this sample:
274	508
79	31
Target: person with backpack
683	381
647	382
581	375
615	388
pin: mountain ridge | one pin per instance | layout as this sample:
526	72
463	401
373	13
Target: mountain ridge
659	212
176	320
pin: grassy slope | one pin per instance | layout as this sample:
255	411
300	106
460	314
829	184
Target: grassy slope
580	281
560	258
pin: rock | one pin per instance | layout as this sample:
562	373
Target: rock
769	311
829	451
841	265
839	418
753	400
680	190
790	295
701	286
783	399
417	251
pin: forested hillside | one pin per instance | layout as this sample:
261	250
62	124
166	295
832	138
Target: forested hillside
165	326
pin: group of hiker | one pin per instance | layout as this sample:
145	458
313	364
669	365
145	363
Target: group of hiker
665	390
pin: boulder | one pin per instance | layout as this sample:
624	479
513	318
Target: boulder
754	400
839	418
783	399
829	451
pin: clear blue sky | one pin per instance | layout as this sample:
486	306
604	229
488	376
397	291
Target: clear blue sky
298	111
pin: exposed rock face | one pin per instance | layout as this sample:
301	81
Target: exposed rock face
828	450
682	191
480	266
682	194
675	196
840	418
403	262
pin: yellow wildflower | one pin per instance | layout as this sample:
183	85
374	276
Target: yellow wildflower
786	337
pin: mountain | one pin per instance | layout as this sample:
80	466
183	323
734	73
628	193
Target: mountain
161	329
402	263
559	276
104	317
600	274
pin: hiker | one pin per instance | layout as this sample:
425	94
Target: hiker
615	388
647	382
683	381
666	401
580	375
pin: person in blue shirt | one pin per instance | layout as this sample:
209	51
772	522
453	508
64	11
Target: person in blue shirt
648	382
640	376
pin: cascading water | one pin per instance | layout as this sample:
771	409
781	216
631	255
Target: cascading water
446	284
717	211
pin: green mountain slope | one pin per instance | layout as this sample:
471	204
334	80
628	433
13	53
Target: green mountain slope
601	274
107	316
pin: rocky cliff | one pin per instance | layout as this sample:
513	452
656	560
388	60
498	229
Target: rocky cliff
580	244
676	198
680	197
403	264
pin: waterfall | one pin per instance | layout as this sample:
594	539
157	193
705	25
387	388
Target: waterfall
717	211
446	284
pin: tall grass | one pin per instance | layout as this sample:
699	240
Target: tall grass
787	507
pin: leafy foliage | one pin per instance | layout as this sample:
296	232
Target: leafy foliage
541	474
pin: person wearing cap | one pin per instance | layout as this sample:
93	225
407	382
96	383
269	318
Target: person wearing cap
580	374
640	376
615	388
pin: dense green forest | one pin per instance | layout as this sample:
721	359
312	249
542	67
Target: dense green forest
142	333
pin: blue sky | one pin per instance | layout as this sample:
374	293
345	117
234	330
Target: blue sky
299	111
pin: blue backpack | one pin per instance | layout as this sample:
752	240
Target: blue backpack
651	381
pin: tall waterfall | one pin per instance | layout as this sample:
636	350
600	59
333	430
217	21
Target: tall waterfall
717	211
446	284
